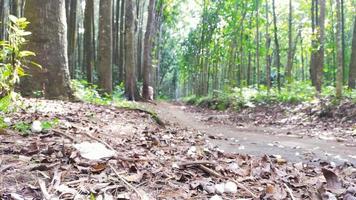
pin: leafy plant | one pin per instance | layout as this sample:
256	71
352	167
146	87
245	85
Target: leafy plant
48	125
13	60
22	127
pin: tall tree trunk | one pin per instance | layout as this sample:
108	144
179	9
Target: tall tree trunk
352	73
5	10
258	44
49	41
121	41
147	61
319	59
313	42
290	45
88	40
339	76
72	36
268	56
130	78
276	43
105	46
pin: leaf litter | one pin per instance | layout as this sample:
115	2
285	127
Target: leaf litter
143	160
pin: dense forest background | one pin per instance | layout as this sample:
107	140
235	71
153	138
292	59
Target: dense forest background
183	48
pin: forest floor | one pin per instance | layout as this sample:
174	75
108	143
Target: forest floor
105	152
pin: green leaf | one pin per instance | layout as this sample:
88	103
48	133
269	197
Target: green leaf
26	54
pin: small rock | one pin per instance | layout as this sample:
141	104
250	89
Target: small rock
220	188
209	188
230	187
216	197
7	121
36	126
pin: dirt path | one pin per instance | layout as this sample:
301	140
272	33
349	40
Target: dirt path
256	141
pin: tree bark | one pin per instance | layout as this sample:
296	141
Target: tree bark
276	43
130	78
268	56
290	45
339	76
88	40
105	46
352	73
319	59
49	41
147	62
122	43
72	36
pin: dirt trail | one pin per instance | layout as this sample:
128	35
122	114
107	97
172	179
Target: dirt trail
255	141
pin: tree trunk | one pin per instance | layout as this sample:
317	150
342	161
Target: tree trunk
130	78
290	46
276	43
49	41
147	62
121	41
339	76
258	44
319	59
72	36
268	56
313	43
105	46
88	40
352	74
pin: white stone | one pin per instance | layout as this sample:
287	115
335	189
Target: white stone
7	121
230	187
36	126
93	151
220	188
216	197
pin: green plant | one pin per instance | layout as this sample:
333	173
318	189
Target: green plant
13	60
22	127
48	125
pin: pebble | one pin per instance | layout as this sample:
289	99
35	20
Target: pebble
230	187
220	188
216	197
36	126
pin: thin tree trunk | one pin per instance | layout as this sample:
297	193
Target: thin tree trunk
276	43
88	40
352	73
72	36
258	44
130	80
147	62
339	76
319	60
268	56
121	41
105	46
290	45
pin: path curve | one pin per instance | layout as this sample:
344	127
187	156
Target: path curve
255	141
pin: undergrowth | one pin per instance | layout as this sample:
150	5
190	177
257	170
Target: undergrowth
238	98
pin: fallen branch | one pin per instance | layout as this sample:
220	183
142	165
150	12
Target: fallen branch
125	182
241	186
290	192
43	188
58	132
198	162
210	171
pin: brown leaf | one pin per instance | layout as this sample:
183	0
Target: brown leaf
332	180
98	168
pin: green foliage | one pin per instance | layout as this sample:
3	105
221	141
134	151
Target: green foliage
48	125
238	98
89	93
13	60
22	127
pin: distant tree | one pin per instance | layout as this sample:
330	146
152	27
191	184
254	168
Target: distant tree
49	42
105	46
88	39
319	58
339	77
130	77
277	48
147	62
352	73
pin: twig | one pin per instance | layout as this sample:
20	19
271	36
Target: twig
290	192
198	162
58	132
44	191
210	171
240	185
125	182
99	140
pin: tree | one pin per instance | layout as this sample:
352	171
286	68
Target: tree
105	46
147	62
88	39
72	35
276	43
352	73
319	57
130	77
290	42
339	77
49	41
